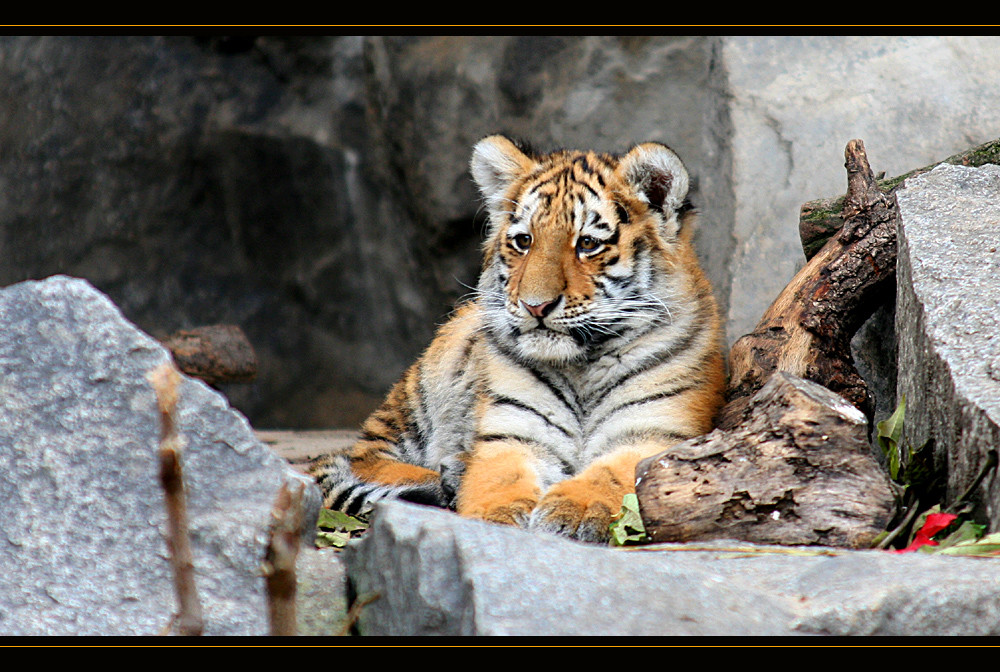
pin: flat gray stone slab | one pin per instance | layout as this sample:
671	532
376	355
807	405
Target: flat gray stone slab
82	528
948	321
438	574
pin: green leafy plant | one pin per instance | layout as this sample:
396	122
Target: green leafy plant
913	468
947	532
983	547
890	436
336	528
627	528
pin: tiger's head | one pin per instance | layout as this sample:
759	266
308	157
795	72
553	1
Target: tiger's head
583	249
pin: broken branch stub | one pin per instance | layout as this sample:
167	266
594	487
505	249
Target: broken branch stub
279	562
819	220
795	471
807	330
189	619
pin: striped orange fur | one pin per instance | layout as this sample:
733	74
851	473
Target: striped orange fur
593	342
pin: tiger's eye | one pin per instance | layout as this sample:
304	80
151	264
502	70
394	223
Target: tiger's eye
522	241
588	244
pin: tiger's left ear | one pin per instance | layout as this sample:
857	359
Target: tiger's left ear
496	163
659	178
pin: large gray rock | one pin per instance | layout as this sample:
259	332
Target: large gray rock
321	593
948	322
438	574
83	518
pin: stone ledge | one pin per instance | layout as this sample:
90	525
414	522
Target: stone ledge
439	574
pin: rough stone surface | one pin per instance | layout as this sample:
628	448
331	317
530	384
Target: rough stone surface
438	574
321	593
83	524
199	180
795	103
948	324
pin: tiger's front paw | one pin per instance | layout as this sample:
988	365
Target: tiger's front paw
573	514
499	486
516	512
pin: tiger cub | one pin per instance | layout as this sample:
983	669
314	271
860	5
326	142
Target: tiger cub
593	342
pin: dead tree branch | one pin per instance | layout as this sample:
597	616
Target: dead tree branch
796	471
822	218
279	563
166	382
808	329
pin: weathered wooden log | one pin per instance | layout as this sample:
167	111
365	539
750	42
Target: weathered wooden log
808	329
216	354
821	219
796	471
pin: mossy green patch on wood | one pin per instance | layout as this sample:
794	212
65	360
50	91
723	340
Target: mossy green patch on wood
819	220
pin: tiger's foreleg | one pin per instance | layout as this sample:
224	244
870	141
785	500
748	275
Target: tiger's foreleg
582	507
500	483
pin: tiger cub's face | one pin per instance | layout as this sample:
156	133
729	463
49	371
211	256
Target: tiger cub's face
580	251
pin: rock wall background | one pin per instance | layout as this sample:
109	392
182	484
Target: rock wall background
314	190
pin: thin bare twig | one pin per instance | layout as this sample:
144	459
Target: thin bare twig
166	380
355	612
888	539
279	563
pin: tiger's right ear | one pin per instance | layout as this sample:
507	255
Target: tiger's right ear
496	163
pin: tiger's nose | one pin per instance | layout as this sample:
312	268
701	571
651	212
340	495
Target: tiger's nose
540	309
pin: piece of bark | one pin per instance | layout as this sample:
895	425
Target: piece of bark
796	471
219	353
807	330
822	218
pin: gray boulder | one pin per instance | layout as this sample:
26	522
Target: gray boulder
83	523
948	323
321	593
435	573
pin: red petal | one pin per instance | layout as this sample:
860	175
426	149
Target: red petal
935	523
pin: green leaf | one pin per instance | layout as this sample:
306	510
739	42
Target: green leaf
337	520
336	528
890	434
627	528
967	533
891	429
986	547
332	539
